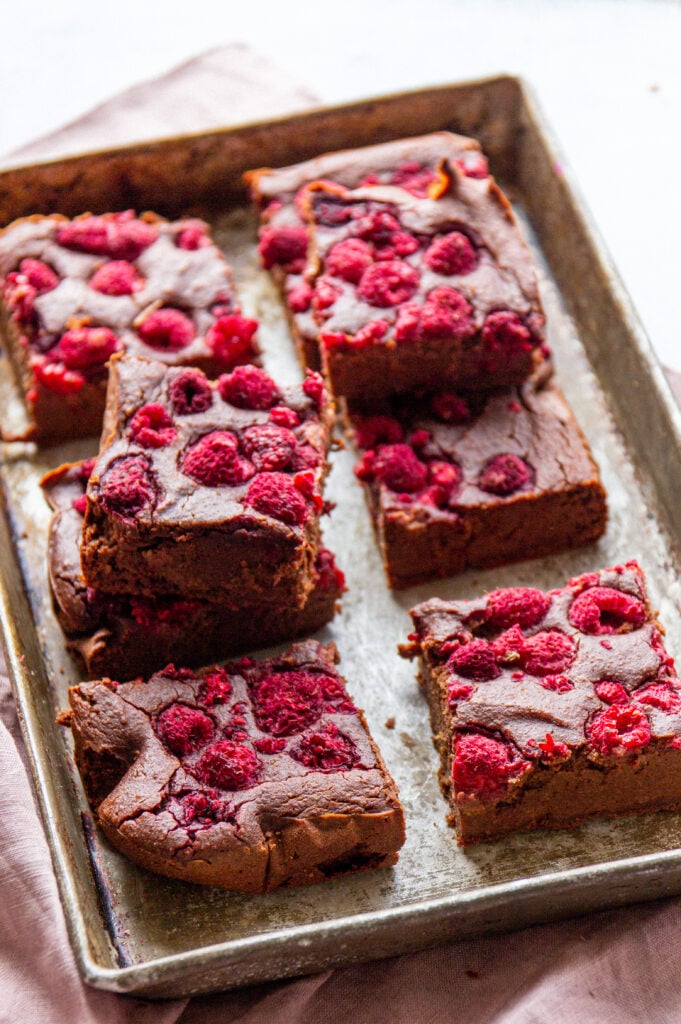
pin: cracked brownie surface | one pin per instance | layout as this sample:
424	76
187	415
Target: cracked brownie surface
250	777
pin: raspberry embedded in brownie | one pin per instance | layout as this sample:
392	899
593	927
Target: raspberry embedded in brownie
74	292
199	489
551	707
250	777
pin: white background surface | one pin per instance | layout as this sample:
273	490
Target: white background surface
607	74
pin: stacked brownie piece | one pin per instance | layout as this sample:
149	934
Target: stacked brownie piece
405	262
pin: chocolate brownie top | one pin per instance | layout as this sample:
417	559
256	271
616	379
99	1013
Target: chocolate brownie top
179	450
531	676
447	451
152	287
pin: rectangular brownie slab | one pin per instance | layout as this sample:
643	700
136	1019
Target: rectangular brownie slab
455	482
550	708
413	164
250	777
129	635
206	489
73	292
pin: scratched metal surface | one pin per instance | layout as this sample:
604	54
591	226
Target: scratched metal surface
134	932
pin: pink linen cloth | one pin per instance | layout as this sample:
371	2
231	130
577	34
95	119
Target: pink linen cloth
620	966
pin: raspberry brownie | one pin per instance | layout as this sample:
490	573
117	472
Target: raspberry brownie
130	635
454	482
414	164
549	708
73	292
252	777
412	292
206	489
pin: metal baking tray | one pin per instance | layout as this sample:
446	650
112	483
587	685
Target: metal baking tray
136	933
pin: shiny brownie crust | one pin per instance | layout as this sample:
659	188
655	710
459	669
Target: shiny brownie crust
251	778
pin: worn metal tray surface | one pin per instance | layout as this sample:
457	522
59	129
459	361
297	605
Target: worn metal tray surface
134	932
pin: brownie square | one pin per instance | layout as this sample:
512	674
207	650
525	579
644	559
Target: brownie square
73	292
250	777
128	635
206	489
550	707
456	482
412	163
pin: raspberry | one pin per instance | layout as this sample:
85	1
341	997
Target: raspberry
399	468
55	377
269	745
313	386
559	684
284	246
181	674
119	235
85	347
505	330
548	652
190	392
458	691
275	494
325	294
328	750
216	687
194	235
473	165
300	297
284	417
167	329
414	178
214	461
621	727
39	275
611	692
80	504
443	478
117	277
451	254
230	339
504	474
447	314
349	259
601	610
330	211
152	427
373	430
370	333
523	605
150	613
450	408
388	284
658	695
552	750
399	245
228	765
248	387
484	766
197	810
183	729
268	446
377	226
128	487
287	702
475	660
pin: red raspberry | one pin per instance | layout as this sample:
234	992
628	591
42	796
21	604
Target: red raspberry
39	275
216	687
413	177
443	478
330	211
377	226
228	765
484	766
552	750
611	692
85	347
458	691
269	447
275	495
284	246
504	474
399	468
183	675
328	750
194	235
349	259
150	613
167	329
661	696
313	386
248	387
559	684
197	810
447	314
55	377
370	333
452	254
400	244
373	430
523	605
269	745
600	610
450	408
284	417
152	427
117	277
325	294
214	461
473	165
128	487
388	284
287	702
620	728
506	330
300	297
190	392
183	729
548	652
475	660
119	235
230	339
